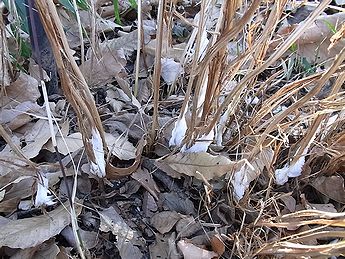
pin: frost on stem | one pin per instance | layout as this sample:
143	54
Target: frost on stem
98	166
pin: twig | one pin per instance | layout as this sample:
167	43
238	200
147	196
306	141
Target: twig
157	70
137	65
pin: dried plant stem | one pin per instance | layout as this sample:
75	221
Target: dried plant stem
137	64
80	30
157	70
235	95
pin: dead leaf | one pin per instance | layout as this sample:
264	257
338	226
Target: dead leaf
47	250
20	190
289	202
25	88
177	202
217	244
30	232
164	221
329	207
133	123
89	238
74	142
191	251
187	226
171	70
149	205
36	138
104	68
200	165
332	187
126	237
18	116
120	147
314	43
145	179
164	247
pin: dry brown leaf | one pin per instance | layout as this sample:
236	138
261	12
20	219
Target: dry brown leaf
22	188
217	245
25	88
66	143
332	187
176	51
74	142
104	68
145	179
164	221
200	165
36	138
30	232
177	202
315	41
19	98
120	147
126	237
18	116
133	123
89	238
289	202
191	251
329	207
9	159
149	205
47	250
187	226
164	247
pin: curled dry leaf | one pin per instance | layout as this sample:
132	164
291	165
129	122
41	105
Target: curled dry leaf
20	98
22	188
30	232
117	172
200	165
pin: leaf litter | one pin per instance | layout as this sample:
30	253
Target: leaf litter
209	129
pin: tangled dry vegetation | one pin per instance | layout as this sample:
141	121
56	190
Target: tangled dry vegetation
192	129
